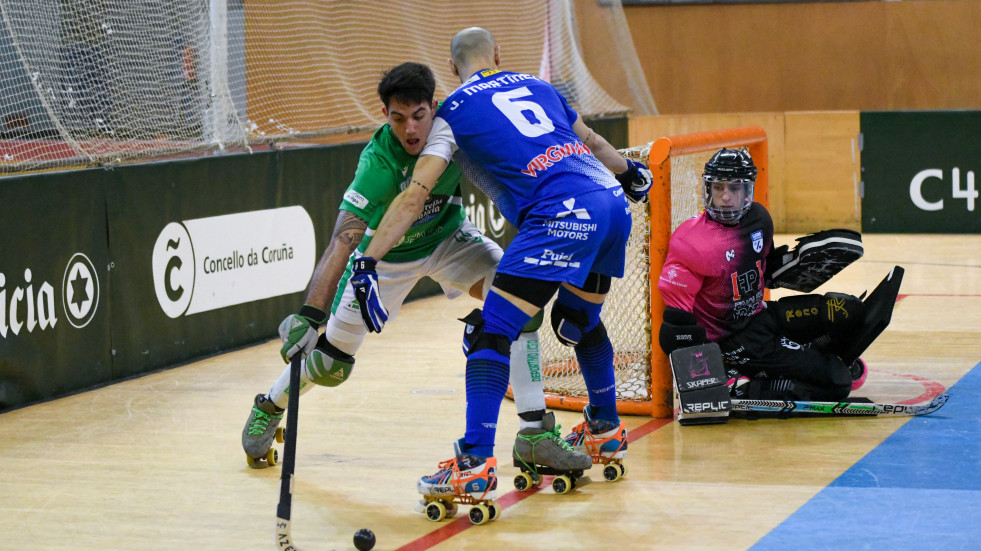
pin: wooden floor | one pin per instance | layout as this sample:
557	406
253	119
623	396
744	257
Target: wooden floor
156	462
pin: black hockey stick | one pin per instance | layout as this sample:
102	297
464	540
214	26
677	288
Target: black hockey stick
284	542
798	407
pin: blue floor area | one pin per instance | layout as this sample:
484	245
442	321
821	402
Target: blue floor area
920	489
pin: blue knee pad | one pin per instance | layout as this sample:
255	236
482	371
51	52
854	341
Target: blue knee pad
573	317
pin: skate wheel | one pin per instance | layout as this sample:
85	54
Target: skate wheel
562	484
435	511
611	473
253	462
279	435
495	510
536	480
522	482
272	457
623	470
479	514
451	509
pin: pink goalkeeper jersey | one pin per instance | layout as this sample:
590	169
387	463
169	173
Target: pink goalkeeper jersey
716	271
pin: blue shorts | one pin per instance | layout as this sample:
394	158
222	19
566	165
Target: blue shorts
566	240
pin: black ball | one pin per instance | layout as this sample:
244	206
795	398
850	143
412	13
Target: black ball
364	539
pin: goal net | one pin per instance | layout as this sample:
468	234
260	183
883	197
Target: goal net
90	82
633	309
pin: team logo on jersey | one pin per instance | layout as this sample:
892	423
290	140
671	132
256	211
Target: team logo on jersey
570	204
757	237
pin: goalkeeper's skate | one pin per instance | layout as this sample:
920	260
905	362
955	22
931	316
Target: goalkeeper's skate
859	371
542	451
260	431
605	443
465	479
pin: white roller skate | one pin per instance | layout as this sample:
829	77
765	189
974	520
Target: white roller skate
542	451
260	430
605	443
465	479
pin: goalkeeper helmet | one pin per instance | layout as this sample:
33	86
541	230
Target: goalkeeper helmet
735	171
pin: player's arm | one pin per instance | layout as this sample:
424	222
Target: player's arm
635	178
602	150
403	211
300	331
406	207
679	328
348	232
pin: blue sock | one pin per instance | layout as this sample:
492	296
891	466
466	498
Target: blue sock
596	363
488	372
595	360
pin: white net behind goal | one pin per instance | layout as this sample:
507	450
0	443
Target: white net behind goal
626	313
103	81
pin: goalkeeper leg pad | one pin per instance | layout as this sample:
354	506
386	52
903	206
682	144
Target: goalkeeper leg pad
807	317
328	366
878	313
700	385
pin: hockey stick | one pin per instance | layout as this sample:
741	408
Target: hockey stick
788	407
284	542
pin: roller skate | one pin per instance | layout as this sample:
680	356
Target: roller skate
859	372
260	431
605	443
542	451
463	479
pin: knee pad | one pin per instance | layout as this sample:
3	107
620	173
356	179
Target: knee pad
475	339
328	366
573	317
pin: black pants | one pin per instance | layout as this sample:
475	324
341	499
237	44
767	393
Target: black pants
761	351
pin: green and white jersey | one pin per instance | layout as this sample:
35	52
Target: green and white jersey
384	170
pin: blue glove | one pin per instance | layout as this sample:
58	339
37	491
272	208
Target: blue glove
636	181
365	283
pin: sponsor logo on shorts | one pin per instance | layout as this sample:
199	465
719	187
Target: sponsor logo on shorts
552	258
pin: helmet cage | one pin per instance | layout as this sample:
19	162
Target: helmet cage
727	216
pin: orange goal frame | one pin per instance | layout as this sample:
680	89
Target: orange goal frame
752	138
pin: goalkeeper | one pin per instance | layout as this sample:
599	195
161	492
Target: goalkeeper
801	347
441	243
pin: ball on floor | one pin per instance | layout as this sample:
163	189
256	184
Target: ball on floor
364	539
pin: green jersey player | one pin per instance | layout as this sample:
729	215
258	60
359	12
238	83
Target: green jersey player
441	243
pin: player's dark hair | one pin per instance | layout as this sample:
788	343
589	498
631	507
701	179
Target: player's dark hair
409	83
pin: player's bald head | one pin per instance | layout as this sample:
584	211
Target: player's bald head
471	44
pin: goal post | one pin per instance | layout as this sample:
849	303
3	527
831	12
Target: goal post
634	307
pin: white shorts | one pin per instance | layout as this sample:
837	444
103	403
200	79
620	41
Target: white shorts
456	264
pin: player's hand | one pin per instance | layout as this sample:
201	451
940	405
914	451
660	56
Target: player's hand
365	282
636	181
299	331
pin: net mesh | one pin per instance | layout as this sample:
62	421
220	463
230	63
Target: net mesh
103	81
627	310
643	382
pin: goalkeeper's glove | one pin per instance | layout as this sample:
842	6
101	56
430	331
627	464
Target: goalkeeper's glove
299	331
636	181
365	282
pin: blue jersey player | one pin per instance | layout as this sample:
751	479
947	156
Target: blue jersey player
553	178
